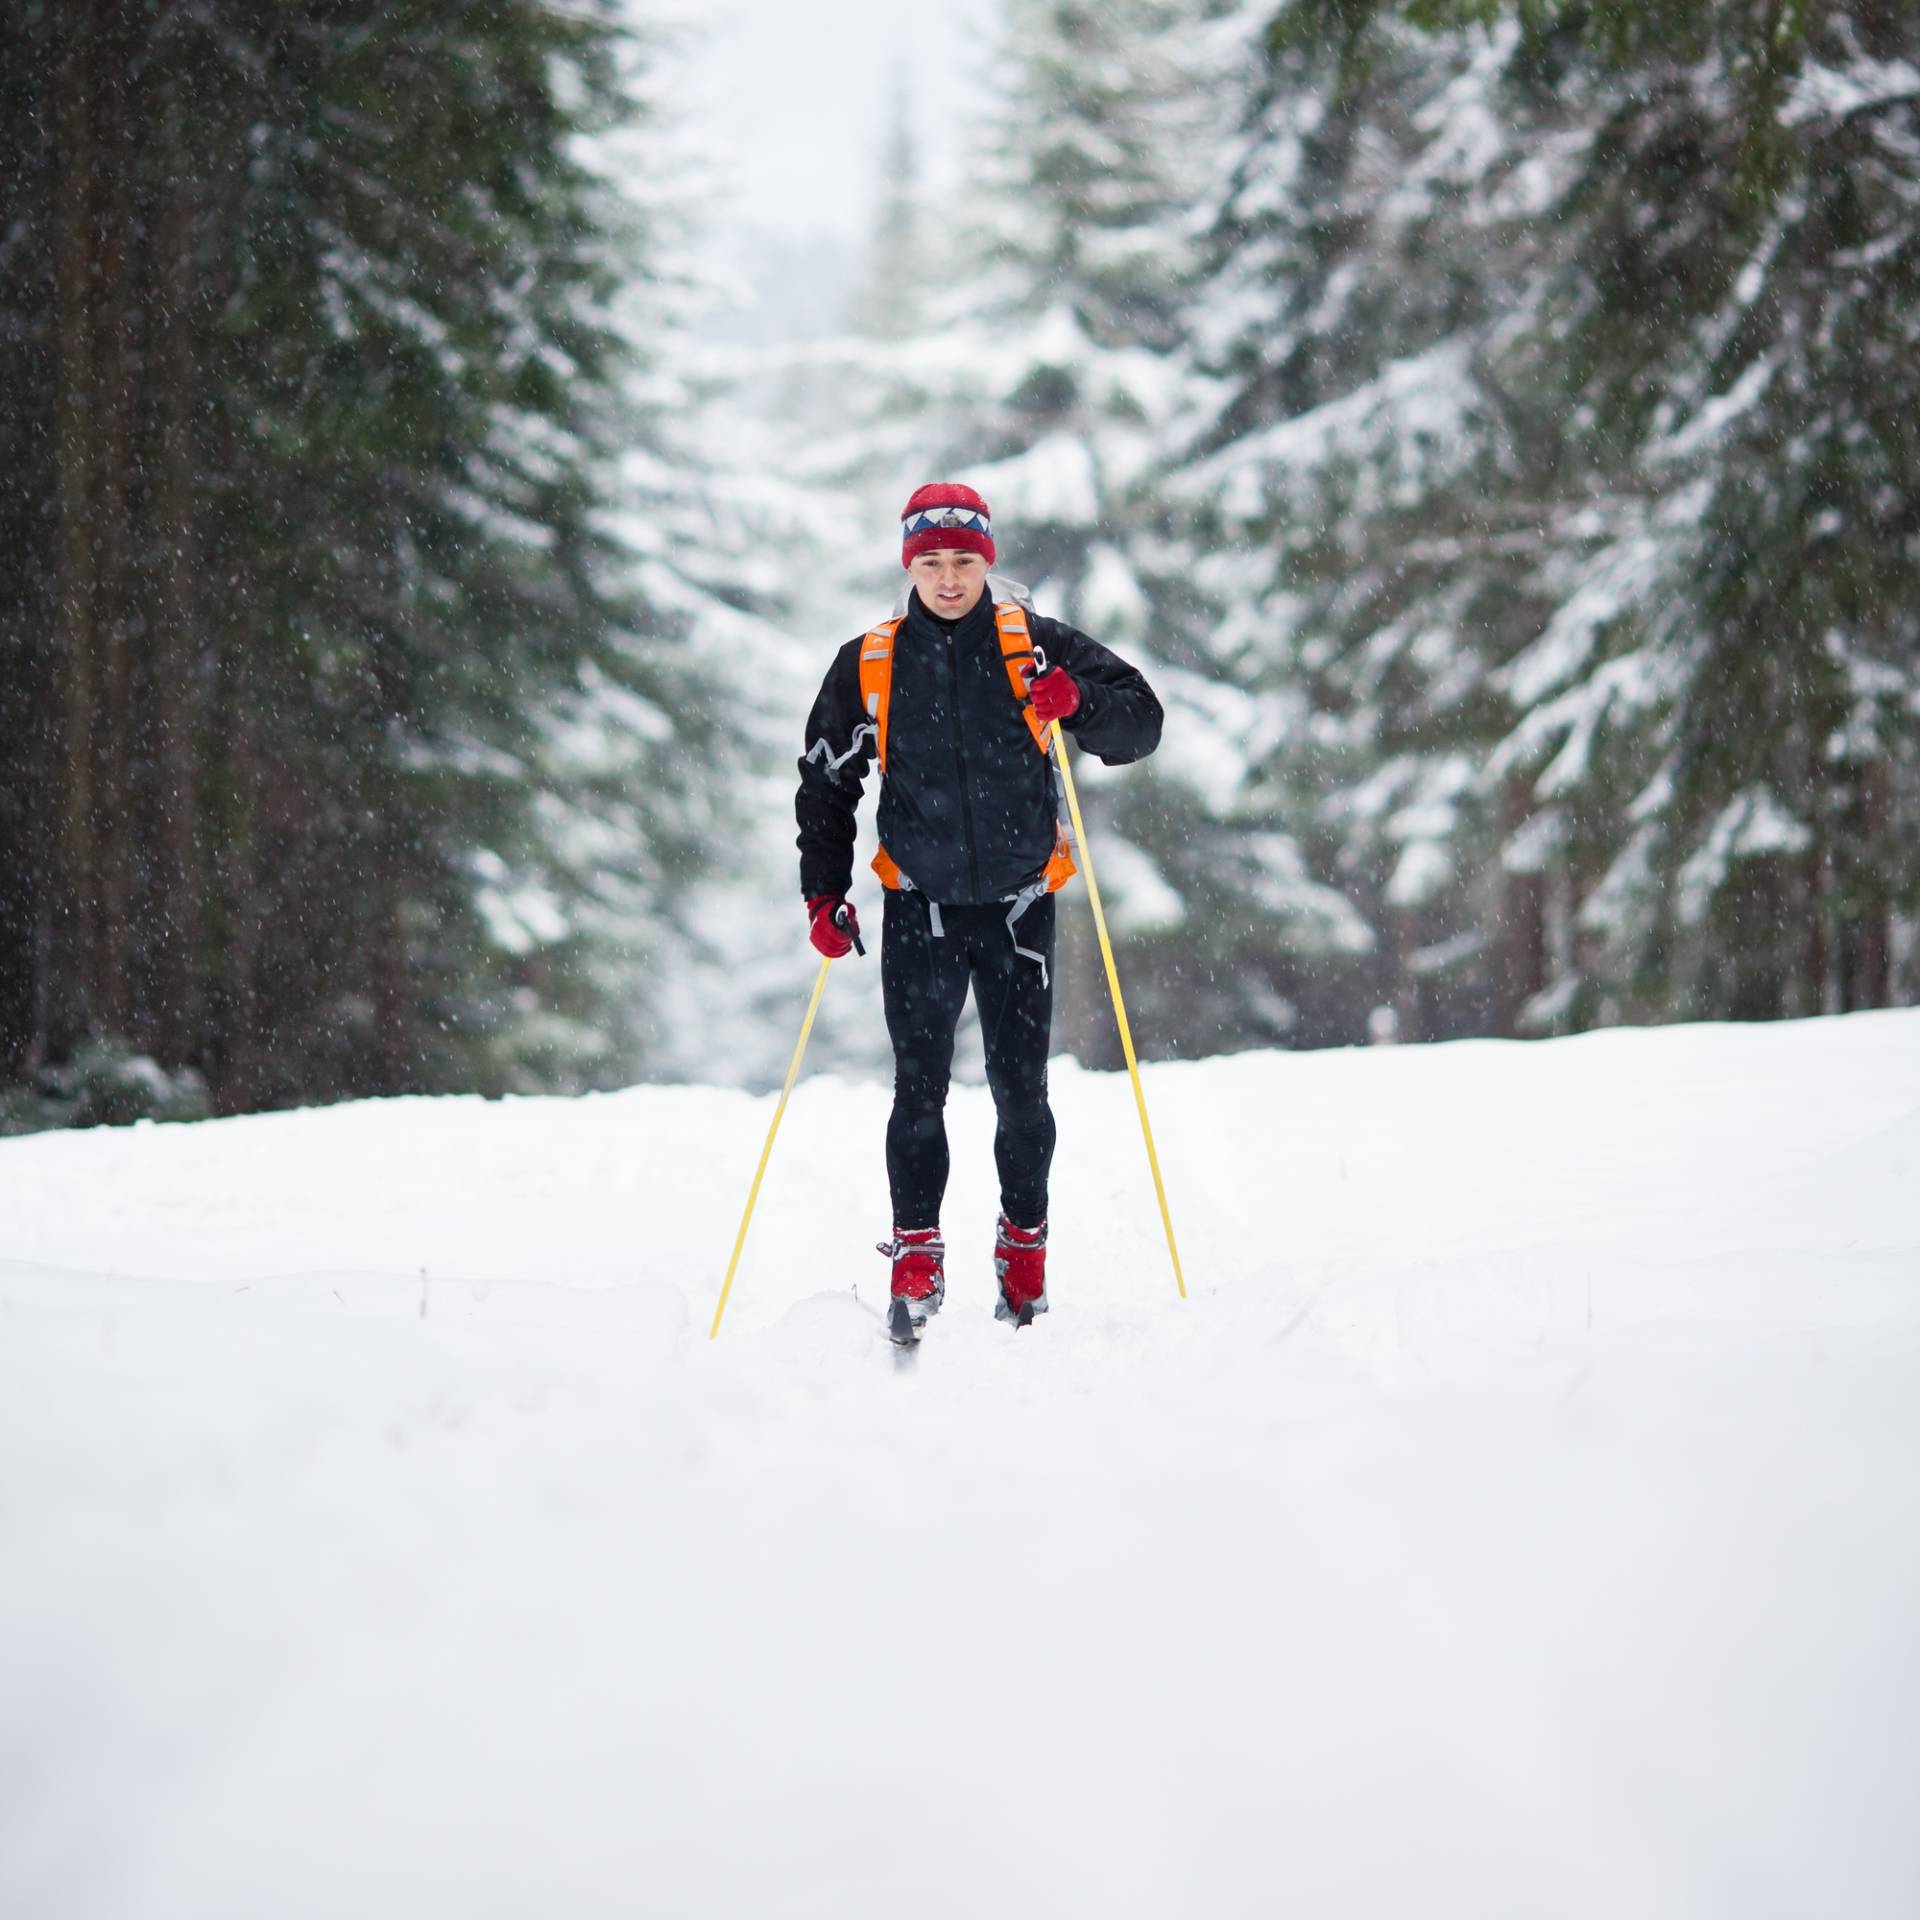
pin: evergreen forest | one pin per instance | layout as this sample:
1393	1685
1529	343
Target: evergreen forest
1494	425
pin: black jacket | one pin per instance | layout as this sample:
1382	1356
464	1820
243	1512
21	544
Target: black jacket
967	804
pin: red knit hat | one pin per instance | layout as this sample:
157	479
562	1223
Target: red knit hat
946	515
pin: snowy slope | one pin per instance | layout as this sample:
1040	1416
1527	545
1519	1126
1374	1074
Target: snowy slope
1520	1519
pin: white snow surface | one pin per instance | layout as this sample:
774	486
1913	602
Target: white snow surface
1518	1519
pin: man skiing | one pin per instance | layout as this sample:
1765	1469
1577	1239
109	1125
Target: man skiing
955	700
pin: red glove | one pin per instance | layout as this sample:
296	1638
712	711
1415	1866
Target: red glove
1056	694
832	940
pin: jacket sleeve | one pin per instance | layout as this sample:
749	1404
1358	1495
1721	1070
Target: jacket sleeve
840	746
1119	716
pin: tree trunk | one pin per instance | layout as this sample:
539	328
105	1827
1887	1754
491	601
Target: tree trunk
1409	1000
70	799
387	938
173	979
1820	988
1817	988
28	443
1873	980
1758	976
1522	950
111	504
239	1047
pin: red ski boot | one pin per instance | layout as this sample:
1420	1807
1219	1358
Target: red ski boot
919	1280
1020	1259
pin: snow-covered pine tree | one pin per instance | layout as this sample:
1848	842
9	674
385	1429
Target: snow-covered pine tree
1720	718
891	300
1561	371
1065	376
317	325
835	428
646	761
1368	489
509	674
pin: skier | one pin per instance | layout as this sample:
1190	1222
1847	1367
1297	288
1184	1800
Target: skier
954	699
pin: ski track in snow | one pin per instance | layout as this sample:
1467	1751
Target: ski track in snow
1518	1520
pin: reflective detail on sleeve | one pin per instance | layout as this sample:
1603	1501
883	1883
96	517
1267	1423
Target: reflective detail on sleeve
1021	902
938	925
822	749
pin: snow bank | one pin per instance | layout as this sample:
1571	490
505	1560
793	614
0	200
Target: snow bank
1518	1519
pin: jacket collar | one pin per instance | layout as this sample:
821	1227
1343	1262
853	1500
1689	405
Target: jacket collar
971	624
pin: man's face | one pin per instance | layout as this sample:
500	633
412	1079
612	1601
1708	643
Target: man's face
950	579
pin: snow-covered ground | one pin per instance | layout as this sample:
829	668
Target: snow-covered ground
1522	1517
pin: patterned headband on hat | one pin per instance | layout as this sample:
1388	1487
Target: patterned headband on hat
938	517
946	515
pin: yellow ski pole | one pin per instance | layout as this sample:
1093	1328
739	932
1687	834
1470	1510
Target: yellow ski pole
1113	981
766	1152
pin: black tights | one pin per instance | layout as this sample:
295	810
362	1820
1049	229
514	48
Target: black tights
924	978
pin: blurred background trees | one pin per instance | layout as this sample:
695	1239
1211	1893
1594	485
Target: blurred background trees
1492	426
1561	469
348	730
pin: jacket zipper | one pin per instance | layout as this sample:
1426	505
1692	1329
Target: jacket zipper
960	756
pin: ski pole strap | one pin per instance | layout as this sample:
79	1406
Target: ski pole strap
842	914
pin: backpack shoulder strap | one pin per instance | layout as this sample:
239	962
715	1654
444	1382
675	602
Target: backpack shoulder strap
1016	649
876	682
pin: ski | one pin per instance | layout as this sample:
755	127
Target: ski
902	1328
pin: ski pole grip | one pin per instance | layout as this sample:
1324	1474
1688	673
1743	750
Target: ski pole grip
840	918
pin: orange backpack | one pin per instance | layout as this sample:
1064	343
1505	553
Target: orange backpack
876	693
